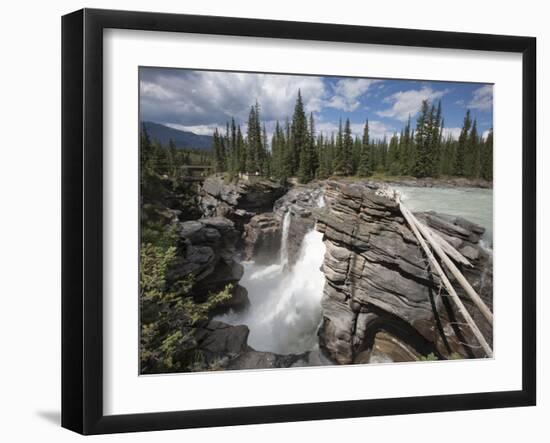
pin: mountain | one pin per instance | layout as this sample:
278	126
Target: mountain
182	139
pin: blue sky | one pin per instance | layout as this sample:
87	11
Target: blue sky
200	101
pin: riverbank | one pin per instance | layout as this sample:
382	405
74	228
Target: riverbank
425	182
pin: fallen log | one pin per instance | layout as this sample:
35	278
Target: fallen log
446	246
455	271
415	227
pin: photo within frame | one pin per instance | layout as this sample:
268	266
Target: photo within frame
305	220
172	246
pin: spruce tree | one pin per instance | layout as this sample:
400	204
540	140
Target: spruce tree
241	148
173	158
422	140
460	157
308	155
146	152
474	161
252	141
435	141
298	133
487	157
338	149
393	156
364	169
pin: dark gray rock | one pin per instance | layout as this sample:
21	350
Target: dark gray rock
238	201
218	337
263	360
208	254
262	238
380	288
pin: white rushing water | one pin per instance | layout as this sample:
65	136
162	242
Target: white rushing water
285	302
285	305
284	240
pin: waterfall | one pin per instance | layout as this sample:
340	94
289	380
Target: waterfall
321	203
285	307
284	239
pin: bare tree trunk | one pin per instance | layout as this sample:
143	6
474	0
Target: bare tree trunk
413	223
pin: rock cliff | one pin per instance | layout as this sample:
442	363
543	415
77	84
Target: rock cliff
381	301
208	253
238	201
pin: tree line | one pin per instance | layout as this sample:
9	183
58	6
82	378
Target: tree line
156	158
297	149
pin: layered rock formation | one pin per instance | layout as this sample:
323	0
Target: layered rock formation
381	300
238	201
262	238
208	252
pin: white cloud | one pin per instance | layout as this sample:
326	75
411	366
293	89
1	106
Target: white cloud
191	98
453	132
377	129
197	129
347	93
154	91
485	134
407	103
482	98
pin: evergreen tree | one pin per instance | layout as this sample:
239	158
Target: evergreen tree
406	151
298	134
422	139
393	167
364	169
435	141
253	140
265	154
173	158
219	152
474	161
308	160
146	152
288	153
345	166
487	157
460	157
338	149
241	148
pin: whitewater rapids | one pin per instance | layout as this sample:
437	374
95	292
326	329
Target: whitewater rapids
285	304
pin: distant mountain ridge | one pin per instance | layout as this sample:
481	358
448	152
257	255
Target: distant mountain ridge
182	139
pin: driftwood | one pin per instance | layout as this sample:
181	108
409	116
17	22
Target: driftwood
456	272
417	228
445	245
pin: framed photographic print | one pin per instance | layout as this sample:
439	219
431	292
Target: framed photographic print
270	221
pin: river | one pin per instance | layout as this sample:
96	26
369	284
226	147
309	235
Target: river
474	204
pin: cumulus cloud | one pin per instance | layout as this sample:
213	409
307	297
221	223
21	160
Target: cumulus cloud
482	98
453	132
347	93
193	98
407	103
377	129
197	129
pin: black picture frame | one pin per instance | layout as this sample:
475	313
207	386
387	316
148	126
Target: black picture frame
82	218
